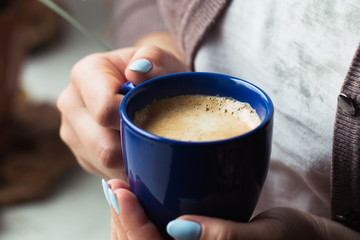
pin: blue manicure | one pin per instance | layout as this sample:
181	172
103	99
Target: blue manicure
183	229
114	201
141	65
106	191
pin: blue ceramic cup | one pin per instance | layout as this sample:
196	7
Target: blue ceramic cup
221	179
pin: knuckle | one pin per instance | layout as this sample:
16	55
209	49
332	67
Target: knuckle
152	49
228	233
169	62
66	136
67	101
107	155
320	227
61	102
76	71
63	134
62	131
103	114
226	230
86	166
84	65
155	53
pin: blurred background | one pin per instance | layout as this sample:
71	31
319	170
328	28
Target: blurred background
44	194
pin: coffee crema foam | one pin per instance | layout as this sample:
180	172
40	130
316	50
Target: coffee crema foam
197	118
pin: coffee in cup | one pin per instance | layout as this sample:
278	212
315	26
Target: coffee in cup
197	118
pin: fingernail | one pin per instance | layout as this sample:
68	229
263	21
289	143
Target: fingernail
106	191
141	65
183	229
114	201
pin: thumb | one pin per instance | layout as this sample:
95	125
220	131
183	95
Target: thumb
151	61
277	223
190	227
201	228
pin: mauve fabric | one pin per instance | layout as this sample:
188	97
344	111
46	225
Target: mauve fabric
133	19
189	21
345	194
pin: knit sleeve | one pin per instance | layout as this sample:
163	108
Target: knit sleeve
189	21
133	19
345	192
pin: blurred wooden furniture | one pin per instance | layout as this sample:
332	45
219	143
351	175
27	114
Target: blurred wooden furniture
12	53
32	157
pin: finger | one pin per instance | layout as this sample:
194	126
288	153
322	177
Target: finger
98	146
198	227
133	219
87	166
113	233
223	229
70	138
102	141
78	150
152	61
279	223
118	228
98	79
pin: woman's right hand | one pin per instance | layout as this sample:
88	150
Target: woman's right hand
129	221
89	106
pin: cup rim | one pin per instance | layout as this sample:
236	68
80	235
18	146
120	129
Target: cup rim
125	118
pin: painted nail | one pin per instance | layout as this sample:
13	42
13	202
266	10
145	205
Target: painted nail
114	201
141	65
183	229
106	191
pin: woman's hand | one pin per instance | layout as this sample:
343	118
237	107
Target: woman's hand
129	221
89	106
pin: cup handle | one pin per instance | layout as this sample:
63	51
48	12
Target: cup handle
126	88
